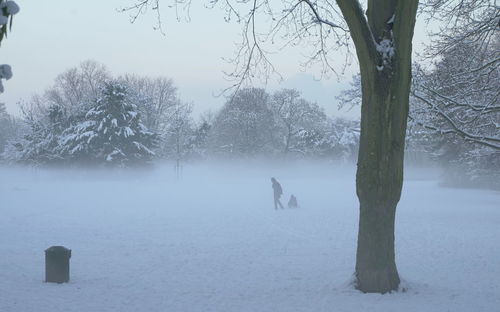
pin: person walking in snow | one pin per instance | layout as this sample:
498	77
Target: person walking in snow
278	191
292	203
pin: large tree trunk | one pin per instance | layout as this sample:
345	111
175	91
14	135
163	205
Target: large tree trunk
379	178
383	46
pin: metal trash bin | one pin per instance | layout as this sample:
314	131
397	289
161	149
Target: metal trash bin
57	264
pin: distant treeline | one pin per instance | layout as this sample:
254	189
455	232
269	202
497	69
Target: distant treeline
90	117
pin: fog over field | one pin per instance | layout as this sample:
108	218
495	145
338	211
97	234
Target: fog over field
211	240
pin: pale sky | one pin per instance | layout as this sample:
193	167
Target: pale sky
50	37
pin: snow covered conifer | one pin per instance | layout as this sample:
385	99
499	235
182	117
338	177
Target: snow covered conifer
111	131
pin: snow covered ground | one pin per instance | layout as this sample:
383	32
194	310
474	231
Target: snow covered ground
212	241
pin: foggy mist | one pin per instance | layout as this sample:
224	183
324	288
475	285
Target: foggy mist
209	239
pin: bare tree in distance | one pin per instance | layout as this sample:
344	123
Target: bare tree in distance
295	114
177	135
73	91
382	33
160	99
244	125
77	87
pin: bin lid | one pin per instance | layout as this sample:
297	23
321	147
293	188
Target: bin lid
58	249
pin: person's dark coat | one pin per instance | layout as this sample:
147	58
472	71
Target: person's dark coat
278	191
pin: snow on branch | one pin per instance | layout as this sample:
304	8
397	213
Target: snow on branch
454	128
8	9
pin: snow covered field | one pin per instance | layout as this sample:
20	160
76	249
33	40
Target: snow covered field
212	241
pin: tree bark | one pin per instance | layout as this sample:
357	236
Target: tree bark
385	82
379	178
